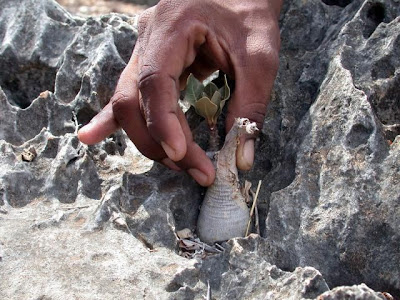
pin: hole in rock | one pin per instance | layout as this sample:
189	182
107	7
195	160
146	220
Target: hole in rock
341	3
110	148
117	145
387	105
51	149
173	287
375	14
186	211
25	85
1	197
383	69
84	115
266	165
71	162
359	134
391	132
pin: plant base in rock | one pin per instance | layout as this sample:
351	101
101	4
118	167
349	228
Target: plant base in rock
224	213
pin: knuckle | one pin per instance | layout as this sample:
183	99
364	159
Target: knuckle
118	98
154	81
119	103
148	77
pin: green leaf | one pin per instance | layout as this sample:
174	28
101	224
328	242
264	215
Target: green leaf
225	90
221	106
205	108
216	98
210	89
208	100
194	89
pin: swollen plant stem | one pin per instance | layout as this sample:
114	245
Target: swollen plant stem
213	145
224	213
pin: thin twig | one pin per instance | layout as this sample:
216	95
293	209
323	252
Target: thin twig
256	222
252	207
218	246
76	123
75	207
208	290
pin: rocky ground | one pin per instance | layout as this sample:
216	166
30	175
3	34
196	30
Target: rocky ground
101	7
100	222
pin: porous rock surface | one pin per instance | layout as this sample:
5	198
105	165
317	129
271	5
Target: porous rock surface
99	222
336	199
353	293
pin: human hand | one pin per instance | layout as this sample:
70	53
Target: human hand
177	38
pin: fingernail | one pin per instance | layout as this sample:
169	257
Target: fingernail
199	176
245	155
171	152
170	164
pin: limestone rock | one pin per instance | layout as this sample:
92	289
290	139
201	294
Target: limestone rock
334	190
243	272
99	221
353	292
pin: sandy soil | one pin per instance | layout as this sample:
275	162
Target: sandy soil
100	7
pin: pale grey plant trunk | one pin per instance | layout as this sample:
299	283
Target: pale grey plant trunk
224	213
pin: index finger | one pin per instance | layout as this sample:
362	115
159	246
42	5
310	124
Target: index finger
161	63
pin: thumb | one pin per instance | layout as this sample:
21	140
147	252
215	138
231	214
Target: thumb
254	79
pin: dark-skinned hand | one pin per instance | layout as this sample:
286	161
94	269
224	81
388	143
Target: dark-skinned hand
179	37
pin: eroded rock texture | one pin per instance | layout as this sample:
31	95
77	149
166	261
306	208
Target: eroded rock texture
336	201
352	293
99	222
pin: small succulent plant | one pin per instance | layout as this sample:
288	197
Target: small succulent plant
208	100
224	213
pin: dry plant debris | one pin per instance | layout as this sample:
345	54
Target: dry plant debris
191	247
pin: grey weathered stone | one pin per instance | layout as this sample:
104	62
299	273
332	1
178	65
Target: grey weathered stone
46	254
61	170
99	221
242	271
31	51
21	125
153	205
334	186
352	293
